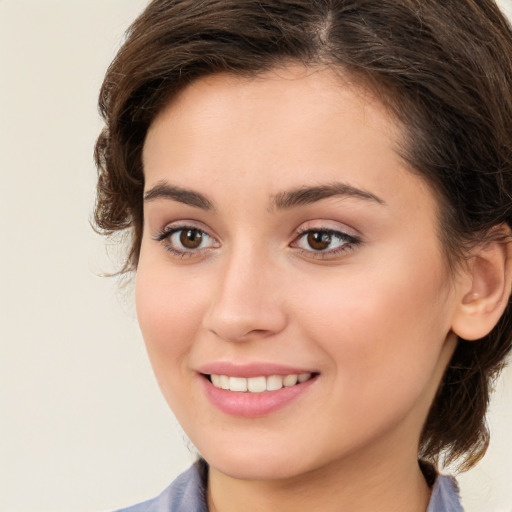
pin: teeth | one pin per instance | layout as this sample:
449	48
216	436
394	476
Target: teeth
258	384
274	382
237	384
290	380
224	381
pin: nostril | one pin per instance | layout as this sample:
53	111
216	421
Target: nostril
239	331
242	310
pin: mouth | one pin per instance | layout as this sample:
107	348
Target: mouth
254	390
258	384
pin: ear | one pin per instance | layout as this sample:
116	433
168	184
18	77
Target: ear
484	286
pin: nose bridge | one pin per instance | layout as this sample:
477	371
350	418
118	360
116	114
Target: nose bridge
246	302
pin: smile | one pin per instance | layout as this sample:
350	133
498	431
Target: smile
258	384
255	395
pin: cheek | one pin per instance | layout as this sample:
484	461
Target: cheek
169	315
382	326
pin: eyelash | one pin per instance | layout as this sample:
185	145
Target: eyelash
349	241
165	235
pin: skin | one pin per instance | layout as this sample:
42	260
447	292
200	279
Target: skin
374	320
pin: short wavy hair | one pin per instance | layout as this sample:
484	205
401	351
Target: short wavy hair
442	68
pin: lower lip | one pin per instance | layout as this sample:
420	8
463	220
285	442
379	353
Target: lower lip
250	405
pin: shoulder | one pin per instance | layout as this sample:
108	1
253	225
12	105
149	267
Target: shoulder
445	496
186	494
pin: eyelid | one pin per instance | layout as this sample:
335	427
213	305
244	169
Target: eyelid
184	224
347	235
163	237
328	225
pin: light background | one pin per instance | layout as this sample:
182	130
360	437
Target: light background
82	424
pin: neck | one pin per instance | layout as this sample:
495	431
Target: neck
357	486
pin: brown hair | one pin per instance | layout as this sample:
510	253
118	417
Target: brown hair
443	68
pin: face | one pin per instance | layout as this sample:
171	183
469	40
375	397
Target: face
289	256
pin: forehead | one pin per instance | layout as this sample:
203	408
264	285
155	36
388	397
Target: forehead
289	127
314	106
309	91
319	84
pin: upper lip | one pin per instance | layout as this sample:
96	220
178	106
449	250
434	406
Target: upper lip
256	369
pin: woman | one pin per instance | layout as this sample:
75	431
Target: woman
318	196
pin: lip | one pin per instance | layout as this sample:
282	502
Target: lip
250	370
251	405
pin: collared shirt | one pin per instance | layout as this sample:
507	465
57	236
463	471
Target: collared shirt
188	494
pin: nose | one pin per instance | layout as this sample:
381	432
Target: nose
246	303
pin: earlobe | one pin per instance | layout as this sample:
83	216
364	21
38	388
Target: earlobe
485	287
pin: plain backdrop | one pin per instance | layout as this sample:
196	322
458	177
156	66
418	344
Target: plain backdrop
82	424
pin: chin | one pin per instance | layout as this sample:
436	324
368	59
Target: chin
259	470
254	463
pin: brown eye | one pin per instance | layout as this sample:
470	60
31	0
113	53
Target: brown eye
319	240
191	238
186	241
324	243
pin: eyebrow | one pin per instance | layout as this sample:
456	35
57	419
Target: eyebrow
163	190
308	195
281	201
